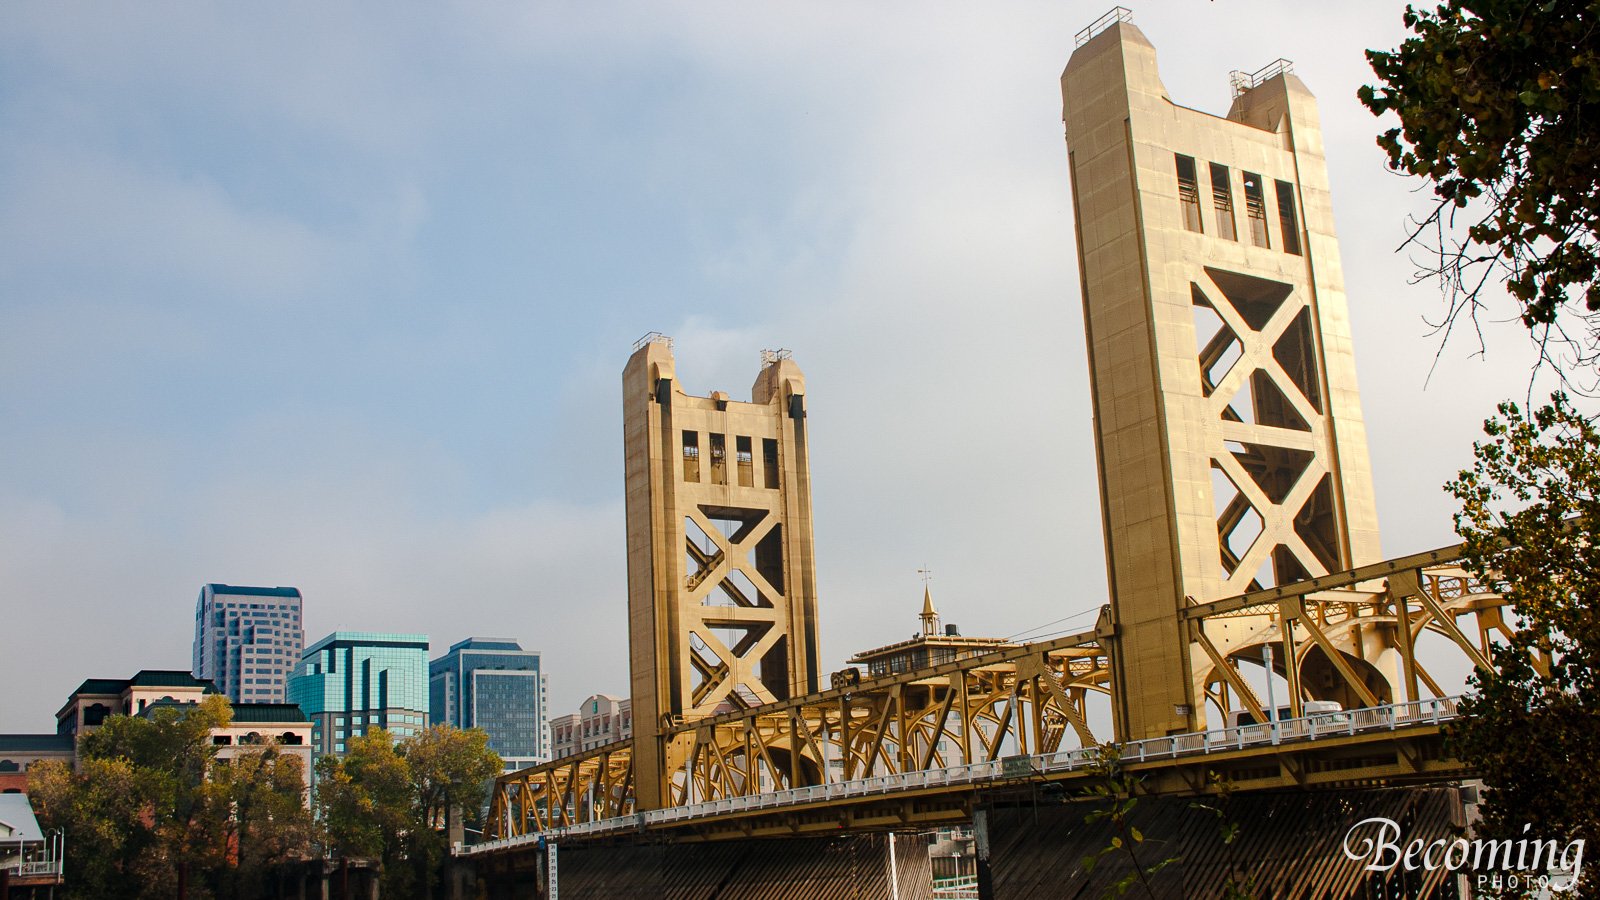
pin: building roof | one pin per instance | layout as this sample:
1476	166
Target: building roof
268	712
17	813
367	639
112	686
144	678
958	642
234	590
930	637
25	743
170	678
485	643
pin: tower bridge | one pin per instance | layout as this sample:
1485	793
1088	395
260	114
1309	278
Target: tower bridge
1241	541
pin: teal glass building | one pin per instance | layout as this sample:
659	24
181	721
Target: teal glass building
353	681
493	684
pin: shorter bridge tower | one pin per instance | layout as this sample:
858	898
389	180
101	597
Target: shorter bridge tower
722	605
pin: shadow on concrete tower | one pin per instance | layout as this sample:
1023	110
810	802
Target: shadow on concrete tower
1228	429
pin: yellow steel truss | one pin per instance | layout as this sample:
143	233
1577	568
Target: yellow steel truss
1029	699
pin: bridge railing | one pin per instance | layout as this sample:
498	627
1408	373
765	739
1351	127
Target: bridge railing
1321	726
1307	728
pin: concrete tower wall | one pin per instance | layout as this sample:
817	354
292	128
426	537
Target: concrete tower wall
1228	427
721	584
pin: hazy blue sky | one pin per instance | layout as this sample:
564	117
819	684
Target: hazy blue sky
338	296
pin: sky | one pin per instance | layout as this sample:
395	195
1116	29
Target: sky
339	296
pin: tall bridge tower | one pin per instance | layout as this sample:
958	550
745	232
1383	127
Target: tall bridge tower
722	605
1228	428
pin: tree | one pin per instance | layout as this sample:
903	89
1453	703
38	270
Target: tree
450	773
451	769
364	799
149	797
170	749
1498	102
1530	510
1118	789
390	801
100	807
257	802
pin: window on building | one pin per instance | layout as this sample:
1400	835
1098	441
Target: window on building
1255	209
1222	201
1189	192
1288	222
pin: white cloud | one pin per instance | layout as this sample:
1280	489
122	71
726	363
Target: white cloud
881	188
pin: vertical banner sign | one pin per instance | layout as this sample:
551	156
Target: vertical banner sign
555	881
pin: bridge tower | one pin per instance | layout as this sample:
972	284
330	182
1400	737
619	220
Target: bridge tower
1228	428
722	606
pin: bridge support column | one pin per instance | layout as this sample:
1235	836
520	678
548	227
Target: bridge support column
980	848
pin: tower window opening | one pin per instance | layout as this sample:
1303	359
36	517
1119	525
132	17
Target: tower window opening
1255	209
1288	222
1189	192
691	456
1222	200
769	462
719	453
746	461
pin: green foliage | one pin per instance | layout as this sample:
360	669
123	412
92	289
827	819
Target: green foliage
1117	790
391	801
1239	886
1498	102
451	768
1529	509
100	807
149	797
257	816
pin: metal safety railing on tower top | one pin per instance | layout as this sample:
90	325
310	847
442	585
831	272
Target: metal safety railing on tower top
1244	81
1117	14
652	337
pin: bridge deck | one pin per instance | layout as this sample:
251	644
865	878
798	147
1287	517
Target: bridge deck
1396	743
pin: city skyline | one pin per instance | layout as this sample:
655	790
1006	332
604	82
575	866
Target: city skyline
357	324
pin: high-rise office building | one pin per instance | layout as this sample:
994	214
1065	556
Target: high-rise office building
247	640
352	681
493	684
